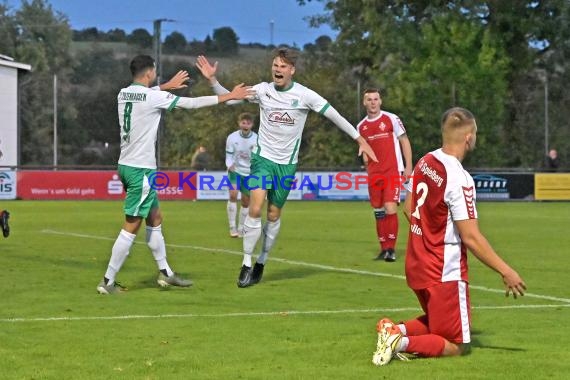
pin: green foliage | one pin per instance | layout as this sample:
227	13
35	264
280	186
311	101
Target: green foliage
225	41
175	42
141	38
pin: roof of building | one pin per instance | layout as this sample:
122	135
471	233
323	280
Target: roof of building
9	62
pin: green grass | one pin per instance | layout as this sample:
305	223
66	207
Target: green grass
308	319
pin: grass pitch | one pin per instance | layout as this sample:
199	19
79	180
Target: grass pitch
312	317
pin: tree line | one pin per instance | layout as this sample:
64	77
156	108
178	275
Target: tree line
491	57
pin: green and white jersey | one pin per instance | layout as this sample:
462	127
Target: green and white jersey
282	119
238	151
139	116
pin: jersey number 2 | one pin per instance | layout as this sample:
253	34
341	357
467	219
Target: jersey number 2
127	120
423	189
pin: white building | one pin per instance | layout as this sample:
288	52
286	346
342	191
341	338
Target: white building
9	110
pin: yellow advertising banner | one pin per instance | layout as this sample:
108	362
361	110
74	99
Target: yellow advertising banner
552	186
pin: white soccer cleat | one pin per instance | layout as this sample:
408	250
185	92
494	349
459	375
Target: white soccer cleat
389	338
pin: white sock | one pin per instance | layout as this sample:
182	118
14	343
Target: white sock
251	234
119	254
270	232
155	242
232	212
402	328
403	346
243	212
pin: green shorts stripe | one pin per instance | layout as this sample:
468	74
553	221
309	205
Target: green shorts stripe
141	197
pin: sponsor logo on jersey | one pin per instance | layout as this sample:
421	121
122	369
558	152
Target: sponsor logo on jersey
431	173
281	118
468	195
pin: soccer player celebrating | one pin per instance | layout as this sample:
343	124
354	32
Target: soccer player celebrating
284	106
239	146
385	133
443	225
139	115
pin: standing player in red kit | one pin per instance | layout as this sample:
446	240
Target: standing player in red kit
386	134
440	206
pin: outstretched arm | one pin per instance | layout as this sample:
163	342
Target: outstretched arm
478	244
343	124
239	92
209	72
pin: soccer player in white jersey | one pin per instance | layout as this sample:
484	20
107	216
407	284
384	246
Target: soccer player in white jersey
239	146
440	206
284	106
139	109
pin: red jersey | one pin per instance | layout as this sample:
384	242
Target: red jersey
382	133
442	193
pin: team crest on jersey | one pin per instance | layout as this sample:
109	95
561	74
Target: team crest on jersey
468	195
382	126
295	103
281	118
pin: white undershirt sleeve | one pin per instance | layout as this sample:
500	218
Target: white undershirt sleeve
221	90
342	124
199	102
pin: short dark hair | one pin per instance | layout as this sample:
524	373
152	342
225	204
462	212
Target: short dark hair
245	116
371	90
286	54
140	64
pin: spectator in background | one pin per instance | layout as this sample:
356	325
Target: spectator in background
552	161
200	159
4	216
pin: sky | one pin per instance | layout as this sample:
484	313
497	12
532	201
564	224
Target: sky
250	19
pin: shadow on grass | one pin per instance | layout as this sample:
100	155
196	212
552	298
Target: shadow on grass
288	274
476	343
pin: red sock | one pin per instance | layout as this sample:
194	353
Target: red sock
430	345
390	228
380	226
418	326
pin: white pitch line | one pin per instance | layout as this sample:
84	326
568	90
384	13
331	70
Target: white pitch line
311	265
283	313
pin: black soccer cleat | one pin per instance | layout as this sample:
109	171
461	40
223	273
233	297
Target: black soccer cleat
381	255
390	256
4	216
244	279
256	273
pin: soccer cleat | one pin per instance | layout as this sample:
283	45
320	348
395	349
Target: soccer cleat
234	233
390	256
244	279
113	288
4	216
381	255
173	280
389	338
256	273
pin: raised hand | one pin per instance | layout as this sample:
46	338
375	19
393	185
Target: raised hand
208	70
177	81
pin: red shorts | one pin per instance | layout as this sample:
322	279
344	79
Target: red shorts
384	188
448	310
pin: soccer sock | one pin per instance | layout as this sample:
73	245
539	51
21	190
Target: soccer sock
390	230
232	212
155	242
418	326
270	232
429	345
119	254
379	215
251	234
243	212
